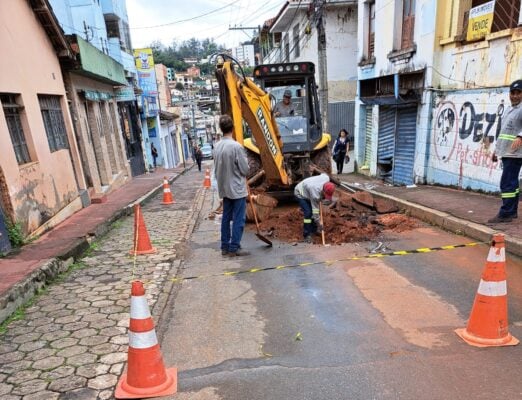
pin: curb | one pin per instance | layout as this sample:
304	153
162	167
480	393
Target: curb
24	290
450	223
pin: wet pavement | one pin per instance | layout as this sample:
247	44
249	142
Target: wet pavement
377	328
365	329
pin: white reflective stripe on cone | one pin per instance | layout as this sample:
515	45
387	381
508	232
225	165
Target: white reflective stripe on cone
166	190
492	288
494	257
139	308
142	340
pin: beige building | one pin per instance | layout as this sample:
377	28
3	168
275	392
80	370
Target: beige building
40	171
90	86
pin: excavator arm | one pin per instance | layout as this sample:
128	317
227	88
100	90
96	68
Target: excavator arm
242	99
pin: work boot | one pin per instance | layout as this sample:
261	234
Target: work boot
224	253
498	219
238	253
308	239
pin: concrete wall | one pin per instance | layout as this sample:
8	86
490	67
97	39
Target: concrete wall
471	93
341	37
341	52
465	126
46	185
492	62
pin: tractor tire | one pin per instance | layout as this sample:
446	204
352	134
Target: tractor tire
322	159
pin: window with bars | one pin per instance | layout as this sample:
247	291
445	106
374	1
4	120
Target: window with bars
12	112
408	23
53	121
371	30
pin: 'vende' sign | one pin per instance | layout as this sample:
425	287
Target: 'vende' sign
480	21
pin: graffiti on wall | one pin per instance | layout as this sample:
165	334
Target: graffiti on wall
465	129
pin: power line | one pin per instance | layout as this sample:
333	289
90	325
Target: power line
188	19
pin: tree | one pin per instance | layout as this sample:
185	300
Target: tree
179	86
173	55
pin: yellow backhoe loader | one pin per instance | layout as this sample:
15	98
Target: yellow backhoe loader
282	149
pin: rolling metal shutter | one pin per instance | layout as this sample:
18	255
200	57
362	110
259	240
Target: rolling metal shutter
405	146
341	115
386	143
368	137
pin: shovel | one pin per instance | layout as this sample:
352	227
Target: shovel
258	232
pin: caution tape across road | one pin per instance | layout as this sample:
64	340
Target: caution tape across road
253	270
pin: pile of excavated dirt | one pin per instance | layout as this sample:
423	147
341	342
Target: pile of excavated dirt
352	218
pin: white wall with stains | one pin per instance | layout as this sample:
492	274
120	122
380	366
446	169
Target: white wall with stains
466	124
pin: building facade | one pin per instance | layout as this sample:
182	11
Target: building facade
472	70
244	54
396	49
431	90
41	177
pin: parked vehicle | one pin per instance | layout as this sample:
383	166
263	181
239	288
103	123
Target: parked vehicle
206	149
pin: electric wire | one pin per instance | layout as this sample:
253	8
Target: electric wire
188	19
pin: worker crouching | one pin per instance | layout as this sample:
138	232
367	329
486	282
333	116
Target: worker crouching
309	193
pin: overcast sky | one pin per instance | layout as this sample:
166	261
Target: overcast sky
214	25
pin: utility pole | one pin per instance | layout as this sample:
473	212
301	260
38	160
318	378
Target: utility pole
323	64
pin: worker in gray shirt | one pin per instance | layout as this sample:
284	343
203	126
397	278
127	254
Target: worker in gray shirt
509	149
231	169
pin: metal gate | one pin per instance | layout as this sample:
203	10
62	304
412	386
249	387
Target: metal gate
132	136
341	115
386	142
368	137
405	146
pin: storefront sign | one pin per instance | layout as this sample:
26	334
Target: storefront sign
125	93
94	95
147	80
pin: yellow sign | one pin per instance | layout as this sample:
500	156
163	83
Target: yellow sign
144	59
480	21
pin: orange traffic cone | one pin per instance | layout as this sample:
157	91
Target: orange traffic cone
141	241
167	195
488	322
146	374
206	182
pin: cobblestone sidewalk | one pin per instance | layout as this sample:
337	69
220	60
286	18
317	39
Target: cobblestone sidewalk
72	341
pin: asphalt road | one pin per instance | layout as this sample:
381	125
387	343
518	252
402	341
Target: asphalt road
366	329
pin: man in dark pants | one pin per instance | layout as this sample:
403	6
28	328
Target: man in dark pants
309	192
509	149
231	169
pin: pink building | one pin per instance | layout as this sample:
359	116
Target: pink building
40	168
193	71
